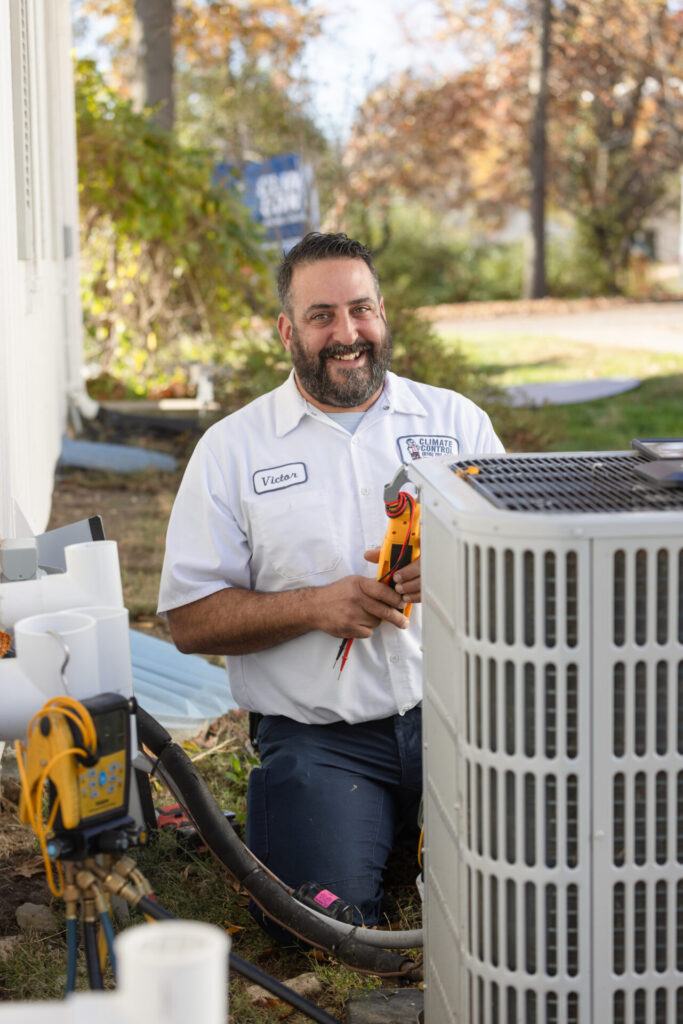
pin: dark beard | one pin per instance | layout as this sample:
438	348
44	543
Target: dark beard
356	386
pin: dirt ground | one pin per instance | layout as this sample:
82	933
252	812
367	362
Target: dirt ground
22	875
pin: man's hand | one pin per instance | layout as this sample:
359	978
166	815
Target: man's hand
408	580
354	606
235	621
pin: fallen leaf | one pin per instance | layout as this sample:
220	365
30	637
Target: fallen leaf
307	985
29	868
260	997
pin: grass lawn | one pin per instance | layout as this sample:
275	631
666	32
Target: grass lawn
655	409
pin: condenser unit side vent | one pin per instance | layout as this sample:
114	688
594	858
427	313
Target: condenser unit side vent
584	482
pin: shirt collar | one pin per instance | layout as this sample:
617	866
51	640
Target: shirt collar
291	406
399	396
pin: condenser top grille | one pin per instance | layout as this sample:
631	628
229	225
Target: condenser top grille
586	482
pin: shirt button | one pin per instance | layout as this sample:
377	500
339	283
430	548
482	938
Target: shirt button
394	658
365	490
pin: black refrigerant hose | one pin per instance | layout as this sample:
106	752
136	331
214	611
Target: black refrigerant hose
267	891
92	955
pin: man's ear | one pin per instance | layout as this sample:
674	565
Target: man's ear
284	326
381	308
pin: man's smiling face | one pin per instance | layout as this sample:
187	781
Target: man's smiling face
336	334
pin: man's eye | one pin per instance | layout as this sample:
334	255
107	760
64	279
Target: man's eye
362	310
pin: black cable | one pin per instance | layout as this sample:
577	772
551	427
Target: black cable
250	971
92	955
153	909
71	953
269	893
280	991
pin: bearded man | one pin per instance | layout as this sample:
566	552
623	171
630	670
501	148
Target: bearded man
269	560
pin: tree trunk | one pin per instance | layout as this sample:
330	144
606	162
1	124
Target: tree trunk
535	276
152	84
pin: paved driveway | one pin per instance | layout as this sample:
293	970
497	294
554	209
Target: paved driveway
650	325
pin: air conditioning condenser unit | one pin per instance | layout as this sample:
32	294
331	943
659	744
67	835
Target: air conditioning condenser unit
553	734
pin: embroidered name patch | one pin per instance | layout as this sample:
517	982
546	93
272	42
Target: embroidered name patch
280	476
424	446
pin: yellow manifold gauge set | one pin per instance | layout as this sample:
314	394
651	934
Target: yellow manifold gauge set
82	751
75	769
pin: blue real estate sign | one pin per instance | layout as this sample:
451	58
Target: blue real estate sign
281	194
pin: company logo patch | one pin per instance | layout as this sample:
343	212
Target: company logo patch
280	476
424	446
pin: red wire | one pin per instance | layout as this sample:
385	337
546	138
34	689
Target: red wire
394	514
347	648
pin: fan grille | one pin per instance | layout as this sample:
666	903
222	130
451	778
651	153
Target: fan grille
585	482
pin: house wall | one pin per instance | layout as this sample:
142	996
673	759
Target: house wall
40	323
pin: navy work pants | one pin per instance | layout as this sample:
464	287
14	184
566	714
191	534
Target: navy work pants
329	800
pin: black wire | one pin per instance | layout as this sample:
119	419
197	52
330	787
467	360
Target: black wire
342	645
251	972
71	953
92	955
153	909
280	991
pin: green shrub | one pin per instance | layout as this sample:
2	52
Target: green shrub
420	354
423	260
173	267
574	269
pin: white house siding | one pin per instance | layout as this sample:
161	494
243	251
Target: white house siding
40	325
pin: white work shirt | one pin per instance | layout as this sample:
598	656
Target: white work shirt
277	496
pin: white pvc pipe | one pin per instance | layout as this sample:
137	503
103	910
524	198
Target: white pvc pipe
94	566
97	640
169	972
79	1008
45	643
115	672
35	674
92	577
174	972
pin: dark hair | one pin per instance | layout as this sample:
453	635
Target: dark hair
316	246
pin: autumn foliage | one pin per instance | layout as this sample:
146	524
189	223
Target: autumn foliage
210	33
614	121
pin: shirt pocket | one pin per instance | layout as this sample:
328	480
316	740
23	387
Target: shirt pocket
294	536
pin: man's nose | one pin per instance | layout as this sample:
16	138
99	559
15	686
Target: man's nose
345	330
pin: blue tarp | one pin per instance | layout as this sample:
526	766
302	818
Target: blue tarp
119	458
184	692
